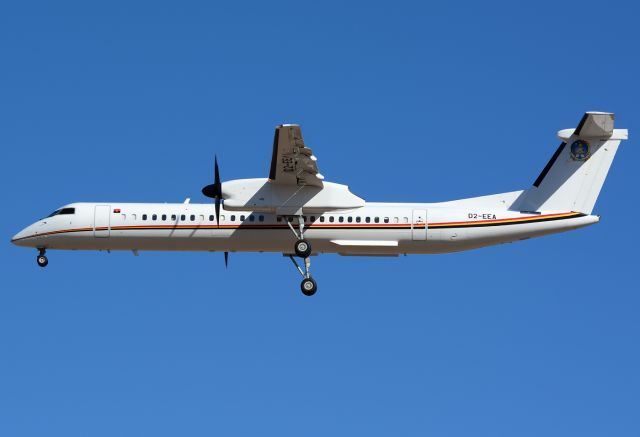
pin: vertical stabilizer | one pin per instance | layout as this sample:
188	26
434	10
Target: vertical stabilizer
574	176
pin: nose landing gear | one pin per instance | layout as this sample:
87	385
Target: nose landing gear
42	259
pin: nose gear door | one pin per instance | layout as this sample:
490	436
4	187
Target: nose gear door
102	221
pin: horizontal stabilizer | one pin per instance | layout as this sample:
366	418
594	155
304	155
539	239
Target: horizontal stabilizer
595	125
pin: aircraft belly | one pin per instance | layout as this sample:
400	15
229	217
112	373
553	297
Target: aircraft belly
241	240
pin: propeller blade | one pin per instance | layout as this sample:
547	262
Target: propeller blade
216	172
218	185
218	211
226	260
214	190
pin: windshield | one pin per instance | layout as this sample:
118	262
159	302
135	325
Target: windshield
62	211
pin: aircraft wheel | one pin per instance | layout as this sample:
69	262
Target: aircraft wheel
308	287
42	260
302	248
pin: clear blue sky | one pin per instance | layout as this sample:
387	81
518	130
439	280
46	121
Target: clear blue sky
404	101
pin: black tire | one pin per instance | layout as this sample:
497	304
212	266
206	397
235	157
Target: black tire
308	287
42	260
302	248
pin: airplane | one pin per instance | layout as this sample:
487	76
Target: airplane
296	212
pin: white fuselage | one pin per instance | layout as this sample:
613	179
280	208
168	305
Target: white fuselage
374	229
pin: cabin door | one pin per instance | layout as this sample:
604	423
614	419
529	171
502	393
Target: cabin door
101	221
419	224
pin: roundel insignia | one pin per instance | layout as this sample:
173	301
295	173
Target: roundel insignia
580	150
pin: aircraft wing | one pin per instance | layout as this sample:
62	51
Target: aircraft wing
293	163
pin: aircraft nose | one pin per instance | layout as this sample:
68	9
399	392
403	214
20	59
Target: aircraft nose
18	239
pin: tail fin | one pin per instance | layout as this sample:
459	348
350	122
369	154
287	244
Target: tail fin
572	179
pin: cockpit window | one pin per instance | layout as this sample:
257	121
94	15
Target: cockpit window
62	211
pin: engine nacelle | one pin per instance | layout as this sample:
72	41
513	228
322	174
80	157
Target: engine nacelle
263	195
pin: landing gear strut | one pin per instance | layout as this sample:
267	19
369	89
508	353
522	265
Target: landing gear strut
302	249
42	259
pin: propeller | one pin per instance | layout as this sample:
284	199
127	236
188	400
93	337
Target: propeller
214	191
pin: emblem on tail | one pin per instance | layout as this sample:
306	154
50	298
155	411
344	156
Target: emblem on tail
580	150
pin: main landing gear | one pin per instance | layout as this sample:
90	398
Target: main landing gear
42	259
302	249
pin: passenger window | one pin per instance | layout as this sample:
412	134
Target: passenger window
278	219
350	219
154	217
251	218
386	219
134	217
201	218
164	217
241	218
341	219
261	218
211	217
313	218
357	219
183	217
368	219
321	219
233	218
124	217
395	219
173	217
377	219
405	219
222	218
193	218
144	216
331	219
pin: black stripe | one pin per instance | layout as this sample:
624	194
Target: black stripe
274	155
258	228
407	227
547	167
522	222
581	125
